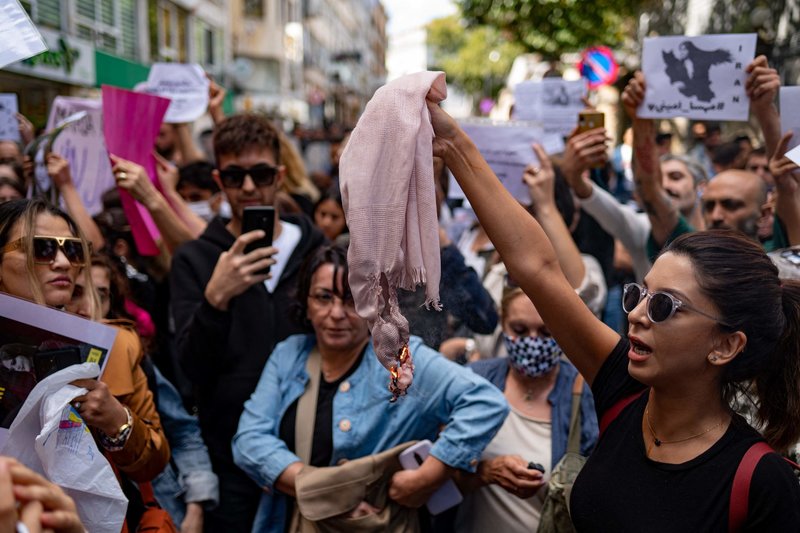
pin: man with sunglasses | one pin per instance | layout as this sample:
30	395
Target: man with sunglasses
228	317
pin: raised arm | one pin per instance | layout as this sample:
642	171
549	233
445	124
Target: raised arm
186	145
59	172
663	214
762	86
525	249
541	185
787	189
138	184
168	176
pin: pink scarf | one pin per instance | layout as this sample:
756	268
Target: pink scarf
386	179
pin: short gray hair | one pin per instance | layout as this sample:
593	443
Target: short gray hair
692	165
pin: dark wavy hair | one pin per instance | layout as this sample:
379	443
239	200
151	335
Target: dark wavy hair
247	131
735	273
335	255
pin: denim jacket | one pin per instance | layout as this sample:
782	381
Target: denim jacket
188	477
560	398
364	422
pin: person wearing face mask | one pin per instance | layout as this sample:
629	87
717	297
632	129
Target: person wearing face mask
537	382
198	189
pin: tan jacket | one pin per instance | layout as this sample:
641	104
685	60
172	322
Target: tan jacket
146	451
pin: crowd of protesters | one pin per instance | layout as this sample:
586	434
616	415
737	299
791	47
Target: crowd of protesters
652	286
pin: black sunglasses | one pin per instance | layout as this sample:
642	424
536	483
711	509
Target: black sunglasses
660	305
45	249
262	174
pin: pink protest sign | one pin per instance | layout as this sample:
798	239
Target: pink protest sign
130	123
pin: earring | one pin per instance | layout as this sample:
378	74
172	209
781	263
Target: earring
713	358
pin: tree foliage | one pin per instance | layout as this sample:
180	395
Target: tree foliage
552	27
477	59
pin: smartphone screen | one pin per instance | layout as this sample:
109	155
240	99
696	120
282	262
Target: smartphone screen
262	218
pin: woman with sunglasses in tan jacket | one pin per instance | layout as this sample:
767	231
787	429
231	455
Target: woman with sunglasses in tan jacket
43	252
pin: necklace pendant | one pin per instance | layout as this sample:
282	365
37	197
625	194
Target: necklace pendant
656	441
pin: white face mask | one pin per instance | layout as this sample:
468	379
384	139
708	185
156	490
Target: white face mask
201	209
225	209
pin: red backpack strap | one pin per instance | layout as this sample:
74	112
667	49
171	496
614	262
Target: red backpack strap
612	414
740	491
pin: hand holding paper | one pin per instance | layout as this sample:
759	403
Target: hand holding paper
784	168
540	180
762	83
58	170
134	179
633	95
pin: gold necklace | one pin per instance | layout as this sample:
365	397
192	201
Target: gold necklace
659	442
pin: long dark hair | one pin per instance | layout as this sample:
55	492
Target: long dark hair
735	273
335	255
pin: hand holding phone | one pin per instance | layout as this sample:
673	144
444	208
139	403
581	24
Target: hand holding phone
262	218
447	495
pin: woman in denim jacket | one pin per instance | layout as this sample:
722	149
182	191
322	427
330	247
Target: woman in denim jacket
448	404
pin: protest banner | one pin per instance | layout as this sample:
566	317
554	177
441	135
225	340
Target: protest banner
185	85
131	122
697	77
506	146
19	38
83	145
9	125
36	340
553	101
790	113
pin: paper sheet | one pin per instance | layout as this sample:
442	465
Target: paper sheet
84	146
553	101
19	38
506	146
697	77
9	125
131	122
185	85
790	113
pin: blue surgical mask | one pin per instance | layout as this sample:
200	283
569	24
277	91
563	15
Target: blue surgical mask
532	356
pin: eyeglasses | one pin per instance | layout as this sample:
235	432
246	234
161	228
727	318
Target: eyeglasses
45	249
262	174
660	305
326	299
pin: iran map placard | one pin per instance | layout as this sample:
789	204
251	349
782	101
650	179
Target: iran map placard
697	77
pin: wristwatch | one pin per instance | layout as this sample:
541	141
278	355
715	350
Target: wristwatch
116	443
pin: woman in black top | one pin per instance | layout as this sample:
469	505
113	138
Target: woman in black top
712	314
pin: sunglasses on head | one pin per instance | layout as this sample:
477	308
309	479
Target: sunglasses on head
45	249
262	174
660	305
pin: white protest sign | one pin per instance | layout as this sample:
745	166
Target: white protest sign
9	125
185	85
553	101
19	38
794	155
506	146
83	145
790	113
697	77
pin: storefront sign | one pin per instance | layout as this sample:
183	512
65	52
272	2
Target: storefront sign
68	59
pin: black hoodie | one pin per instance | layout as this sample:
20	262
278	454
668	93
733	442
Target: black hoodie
224	352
